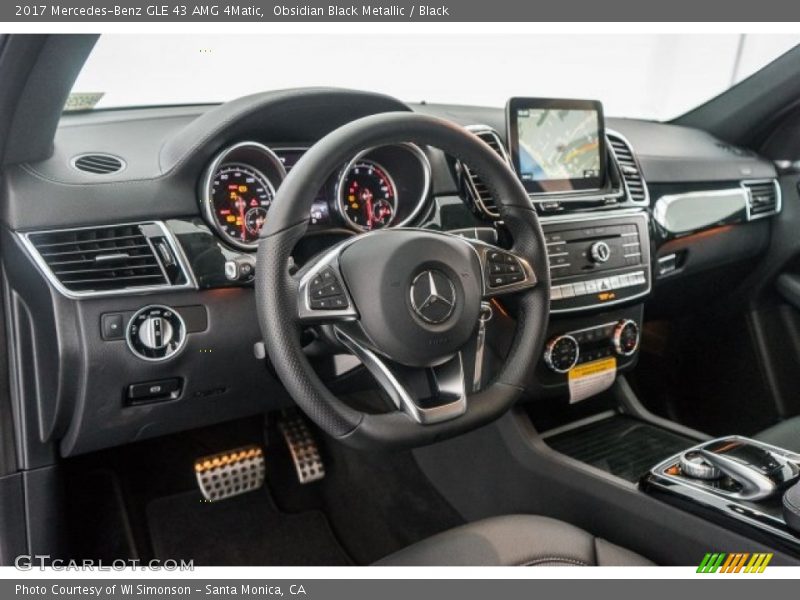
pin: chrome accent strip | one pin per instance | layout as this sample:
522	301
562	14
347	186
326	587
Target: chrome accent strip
734	201
206	204
448	378
44	268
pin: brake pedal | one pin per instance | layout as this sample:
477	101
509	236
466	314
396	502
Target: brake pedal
227	474
304	450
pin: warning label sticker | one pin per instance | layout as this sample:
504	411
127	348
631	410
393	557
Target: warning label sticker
591	378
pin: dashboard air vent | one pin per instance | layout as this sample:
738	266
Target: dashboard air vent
475	189
98	164
763	198
96	260
629	168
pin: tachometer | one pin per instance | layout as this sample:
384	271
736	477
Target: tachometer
367	196
240	199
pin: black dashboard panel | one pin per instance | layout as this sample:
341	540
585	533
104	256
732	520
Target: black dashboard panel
74	381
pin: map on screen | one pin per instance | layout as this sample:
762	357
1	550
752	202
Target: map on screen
557	144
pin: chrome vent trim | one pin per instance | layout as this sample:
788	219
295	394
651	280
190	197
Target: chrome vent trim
629	168
763	198
130	258
98	163
476	190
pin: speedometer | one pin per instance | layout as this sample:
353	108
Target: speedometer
367	196
240	200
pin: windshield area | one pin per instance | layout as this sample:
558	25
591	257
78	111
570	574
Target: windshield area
657	76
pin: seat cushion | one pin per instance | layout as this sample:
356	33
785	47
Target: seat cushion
524	540
785	434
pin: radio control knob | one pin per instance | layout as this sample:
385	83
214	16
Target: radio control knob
626	337
600	252
561	353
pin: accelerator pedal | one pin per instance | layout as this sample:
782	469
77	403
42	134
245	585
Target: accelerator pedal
227	474
303	447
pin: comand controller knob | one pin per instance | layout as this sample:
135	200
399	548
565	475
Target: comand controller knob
600	252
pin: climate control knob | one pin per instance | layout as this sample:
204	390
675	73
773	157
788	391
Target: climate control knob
561	353
626	337
156	333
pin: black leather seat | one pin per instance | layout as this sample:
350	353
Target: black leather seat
785	434
524	540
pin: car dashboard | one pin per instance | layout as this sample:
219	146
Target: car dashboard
129	254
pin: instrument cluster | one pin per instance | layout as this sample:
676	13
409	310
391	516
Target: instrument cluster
388	186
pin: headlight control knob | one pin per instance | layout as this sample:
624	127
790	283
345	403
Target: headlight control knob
156	333
626	337
561	353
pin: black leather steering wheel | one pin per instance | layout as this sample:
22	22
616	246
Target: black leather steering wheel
404	301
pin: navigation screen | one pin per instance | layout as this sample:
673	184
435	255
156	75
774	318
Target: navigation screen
557	145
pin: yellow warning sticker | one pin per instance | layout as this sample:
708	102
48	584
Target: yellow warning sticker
591	378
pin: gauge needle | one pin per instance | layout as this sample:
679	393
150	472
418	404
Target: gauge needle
240	203
367	196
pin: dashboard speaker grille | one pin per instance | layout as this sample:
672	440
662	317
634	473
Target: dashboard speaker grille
103	259
629	168
98	164
474	188
763	197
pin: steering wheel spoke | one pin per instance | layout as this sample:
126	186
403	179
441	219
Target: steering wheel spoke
427	395
322	295
504	271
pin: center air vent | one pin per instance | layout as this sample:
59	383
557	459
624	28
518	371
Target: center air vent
98	164
475	190
763	198
102	260
629	168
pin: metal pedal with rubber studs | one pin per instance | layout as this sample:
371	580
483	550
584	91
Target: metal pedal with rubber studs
227	474
303	447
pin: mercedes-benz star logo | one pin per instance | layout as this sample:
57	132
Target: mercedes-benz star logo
433	296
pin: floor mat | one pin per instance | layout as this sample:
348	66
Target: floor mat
246	530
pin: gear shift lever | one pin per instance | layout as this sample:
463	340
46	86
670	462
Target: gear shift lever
759	472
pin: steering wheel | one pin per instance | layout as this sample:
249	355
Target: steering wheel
404	301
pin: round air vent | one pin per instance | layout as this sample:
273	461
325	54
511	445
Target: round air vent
98	164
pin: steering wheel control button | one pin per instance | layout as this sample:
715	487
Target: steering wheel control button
503	269
112	326
152	391
433	296
156	333
561	353
626	337
325	292
330	303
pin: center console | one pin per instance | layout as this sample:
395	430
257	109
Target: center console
589	190
597	260
738	481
